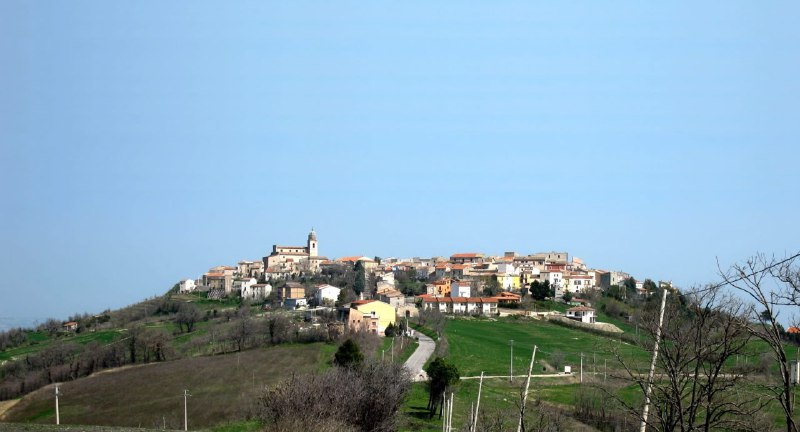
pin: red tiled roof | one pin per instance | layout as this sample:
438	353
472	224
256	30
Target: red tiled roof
362	302
580	309
354	259
430	299
466	255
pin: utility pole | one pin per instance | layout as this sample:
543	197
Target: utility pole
185	411
643	426
392	350
477	404
525	395
581	368
450	415
511	364
58	418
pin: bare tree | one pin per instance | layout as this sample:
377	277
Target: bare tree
770	283
241	331
188	315
433	319
695	388
51	326
318	397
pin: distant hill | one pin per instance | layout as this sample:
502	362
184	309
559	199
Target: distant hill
8	323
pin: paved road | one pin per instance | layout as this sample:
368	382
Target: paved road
522	377
417	360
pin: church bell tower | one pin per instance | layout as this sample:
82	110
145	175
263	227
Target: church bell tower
312	243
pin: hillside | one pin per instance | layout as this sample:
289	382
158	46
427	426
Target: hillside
222	387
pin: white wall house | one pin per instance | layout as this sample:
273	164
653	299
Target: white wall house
186	286
582	314
327	294
556	279
507	268
242	284
256	292
461	289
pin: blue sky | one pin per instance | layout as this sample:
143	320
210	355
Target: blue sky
143	142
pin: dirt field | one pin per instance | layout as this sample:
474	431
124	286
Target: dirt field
222	389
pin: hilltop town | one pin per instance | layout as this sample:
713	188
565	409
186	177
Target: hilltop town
466	283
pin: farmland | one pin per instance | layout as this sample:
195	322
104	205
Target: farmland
222	389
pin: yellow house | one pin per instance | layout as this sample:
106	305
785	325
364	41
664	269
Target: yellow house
371	315
440	288
509	282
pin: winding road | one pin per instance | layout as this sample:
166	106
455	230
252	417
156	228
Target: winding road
417	360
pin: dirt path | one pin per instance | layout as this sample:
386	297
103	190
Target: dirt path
5	406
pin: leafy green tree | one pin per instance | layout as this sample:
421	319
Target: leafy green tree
348	355
649	286
441	375
540	290
391	330
346	295
630	287
615	291
567	296
361	281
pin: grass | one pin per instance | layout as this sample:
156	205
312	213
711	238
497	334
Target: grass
222	388
482	345
206	304
479	345
38	341
424	330
242	426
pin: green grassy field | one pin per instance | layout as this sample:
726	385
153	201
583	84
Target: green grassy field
481	345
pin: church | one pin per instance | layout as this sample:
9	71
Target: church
295	259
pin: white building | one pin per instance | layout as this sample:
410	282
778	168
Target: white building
460	289
582	314
243	284
461	305
327	294
186	285
556	279
294	303
256	292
